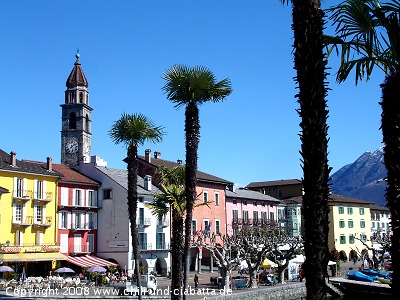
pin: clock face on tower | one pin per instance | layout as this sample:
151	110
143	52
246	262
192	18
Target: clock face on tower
71	146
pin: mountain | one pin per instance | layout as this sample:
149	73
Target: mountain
362	179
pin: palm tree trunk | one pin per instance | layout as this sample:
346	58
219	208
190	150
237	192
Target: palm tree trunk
391	133
177	255
132	208
192	130
310	66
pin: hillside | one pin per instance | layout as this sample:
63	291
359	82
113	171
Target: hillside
362	179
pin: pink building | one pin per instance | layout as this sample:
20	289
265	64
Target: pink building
247	207
77	217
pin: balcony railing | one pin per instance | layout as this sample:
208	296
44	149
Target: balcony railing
147	246
22	221
162	246
163	223
80	248
83	226
40	196
22	195
43	222
144	222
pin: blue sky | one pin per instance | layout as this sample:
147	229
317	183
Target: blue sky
126	45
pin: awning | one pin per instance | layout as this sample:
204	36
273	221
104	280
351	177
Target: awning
10	257
88	261
41	256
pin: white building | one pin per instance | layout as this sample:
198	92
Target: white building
114	238
380	218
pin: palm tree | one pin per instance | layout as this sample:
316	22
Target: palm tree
310	66
368	34
191	87
133	131
172	185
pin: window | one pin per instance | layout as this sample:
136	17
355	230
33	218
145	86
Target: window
255	217
17	213
234	201
205	196
78	197
361	210
363	237
271	216
350	210
107	194
141	216
216	196
76	220
91	199
362	224
350	223
342	239
217	227
235	215
255	203
341	224
19	189
72	119
39	193
63	220
160	240
142	238
264	217
38	214
39	238
245	217
194	226
90	242
91	221
244	202
373	224
19	238
351	239
341	210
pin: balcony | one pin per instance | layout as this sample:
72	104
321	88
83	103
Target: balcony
22	195
41	197
83	226
144	222
146	246
162	246
80	249
22	222
40	222
163	223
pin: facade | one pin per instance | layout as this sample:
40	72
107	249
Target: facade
380	219
279	189
348	223
114	237
251	208
76	129
77	212
28	215
211	189
291	216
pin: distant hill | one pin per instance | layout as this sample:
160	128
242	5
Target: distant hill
362	179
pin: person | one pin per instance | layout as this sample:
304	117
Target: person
196	280
301	274
354	260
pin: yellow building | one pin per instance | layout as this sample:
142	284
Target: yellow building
28	215
349	221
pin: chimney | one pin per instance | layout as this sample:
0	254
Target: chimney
147	183
147	156
13	156
179	161
157	154
49	163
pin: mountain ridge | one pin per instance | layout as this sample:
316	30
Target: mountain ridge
362	179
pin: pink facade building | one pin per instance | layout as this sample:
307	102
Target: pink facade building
77	212
247	207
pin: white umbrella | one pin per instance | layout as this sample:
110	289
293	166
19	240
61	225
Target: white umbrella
6	269
299	259
331	263
97	269
64	270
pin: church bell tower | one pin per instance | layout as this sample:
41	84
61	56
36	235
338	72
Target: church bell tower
76	131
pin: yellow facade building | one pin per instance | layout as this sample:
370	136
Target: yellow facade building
349	222
28	215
